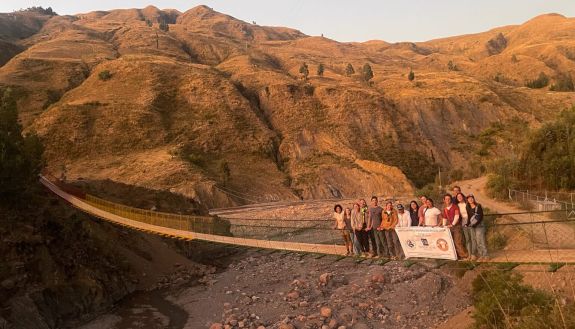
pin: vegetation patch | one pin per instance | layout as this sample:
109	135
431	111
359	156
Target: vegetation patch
105	75
563	82
540	82
502	301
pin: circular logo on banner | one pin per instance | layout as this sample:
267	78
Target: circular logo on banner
410	244
442	245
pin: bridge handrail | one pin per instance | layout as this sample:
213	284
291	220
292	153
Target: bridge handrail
94	199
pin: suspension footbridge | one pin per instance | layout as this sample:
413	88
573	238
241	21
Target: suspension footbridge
305	238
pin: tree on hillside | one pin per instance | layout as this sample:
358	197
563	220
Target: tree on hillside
304	71
40	10
20	156
320	69
164	26
411	75
366	72
349	70
540	82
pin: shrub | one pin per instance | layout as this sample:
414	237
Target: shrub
497	44
499	77
349	70
563	82
411	76
320	69
52	96
366	72
501	300
105	75
498	185
304	71
540	82
164	26
195	159
452	67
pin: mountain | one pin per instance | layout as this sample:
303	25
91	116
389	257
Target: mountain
216	109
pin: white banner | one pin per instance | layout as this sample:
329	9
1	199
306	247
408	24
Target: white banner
426	242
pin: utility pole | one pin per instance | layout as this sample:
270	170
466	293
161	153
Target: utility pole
440	185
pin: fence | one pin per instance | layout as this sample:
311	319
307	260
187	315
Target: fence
543	201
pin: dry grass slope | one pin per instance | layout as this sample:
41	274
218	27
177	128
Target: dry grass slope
214	92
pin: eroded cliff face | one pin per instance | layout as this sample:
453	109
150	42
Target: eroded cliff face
216	109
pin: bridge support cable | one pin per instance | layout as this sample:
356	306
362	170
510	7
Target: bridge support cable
549	241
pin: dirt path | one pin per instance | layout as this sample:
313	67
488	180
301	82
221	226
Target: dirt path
542	235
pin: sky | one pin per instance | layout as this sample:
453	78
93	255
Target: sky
388	20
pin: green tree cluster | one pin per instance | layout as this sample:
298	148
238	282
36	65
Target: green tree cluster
550	153
545	159
20	155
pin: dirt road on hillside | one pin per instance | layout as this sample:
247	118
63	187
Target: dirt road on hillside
544	233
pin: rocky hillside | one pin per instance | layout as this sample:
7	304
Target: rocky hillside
214	108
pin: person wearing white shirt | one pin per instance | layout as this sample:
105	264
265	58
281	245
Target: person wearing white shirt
431	215
404	219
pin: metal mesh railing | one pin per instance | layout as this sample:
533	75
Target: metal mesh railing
199	224
547	236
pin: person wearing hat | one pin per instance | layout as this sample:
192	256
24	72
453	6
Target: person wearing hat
403	220
403	217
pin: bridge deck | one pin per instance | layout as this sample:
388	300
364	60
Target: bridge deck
516	256
183	234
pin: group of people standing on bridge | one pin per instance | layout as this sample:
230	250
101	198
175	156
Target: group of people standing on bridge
369	231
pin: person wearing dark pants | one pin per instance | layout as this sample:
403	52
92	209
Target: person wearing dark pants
377	237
